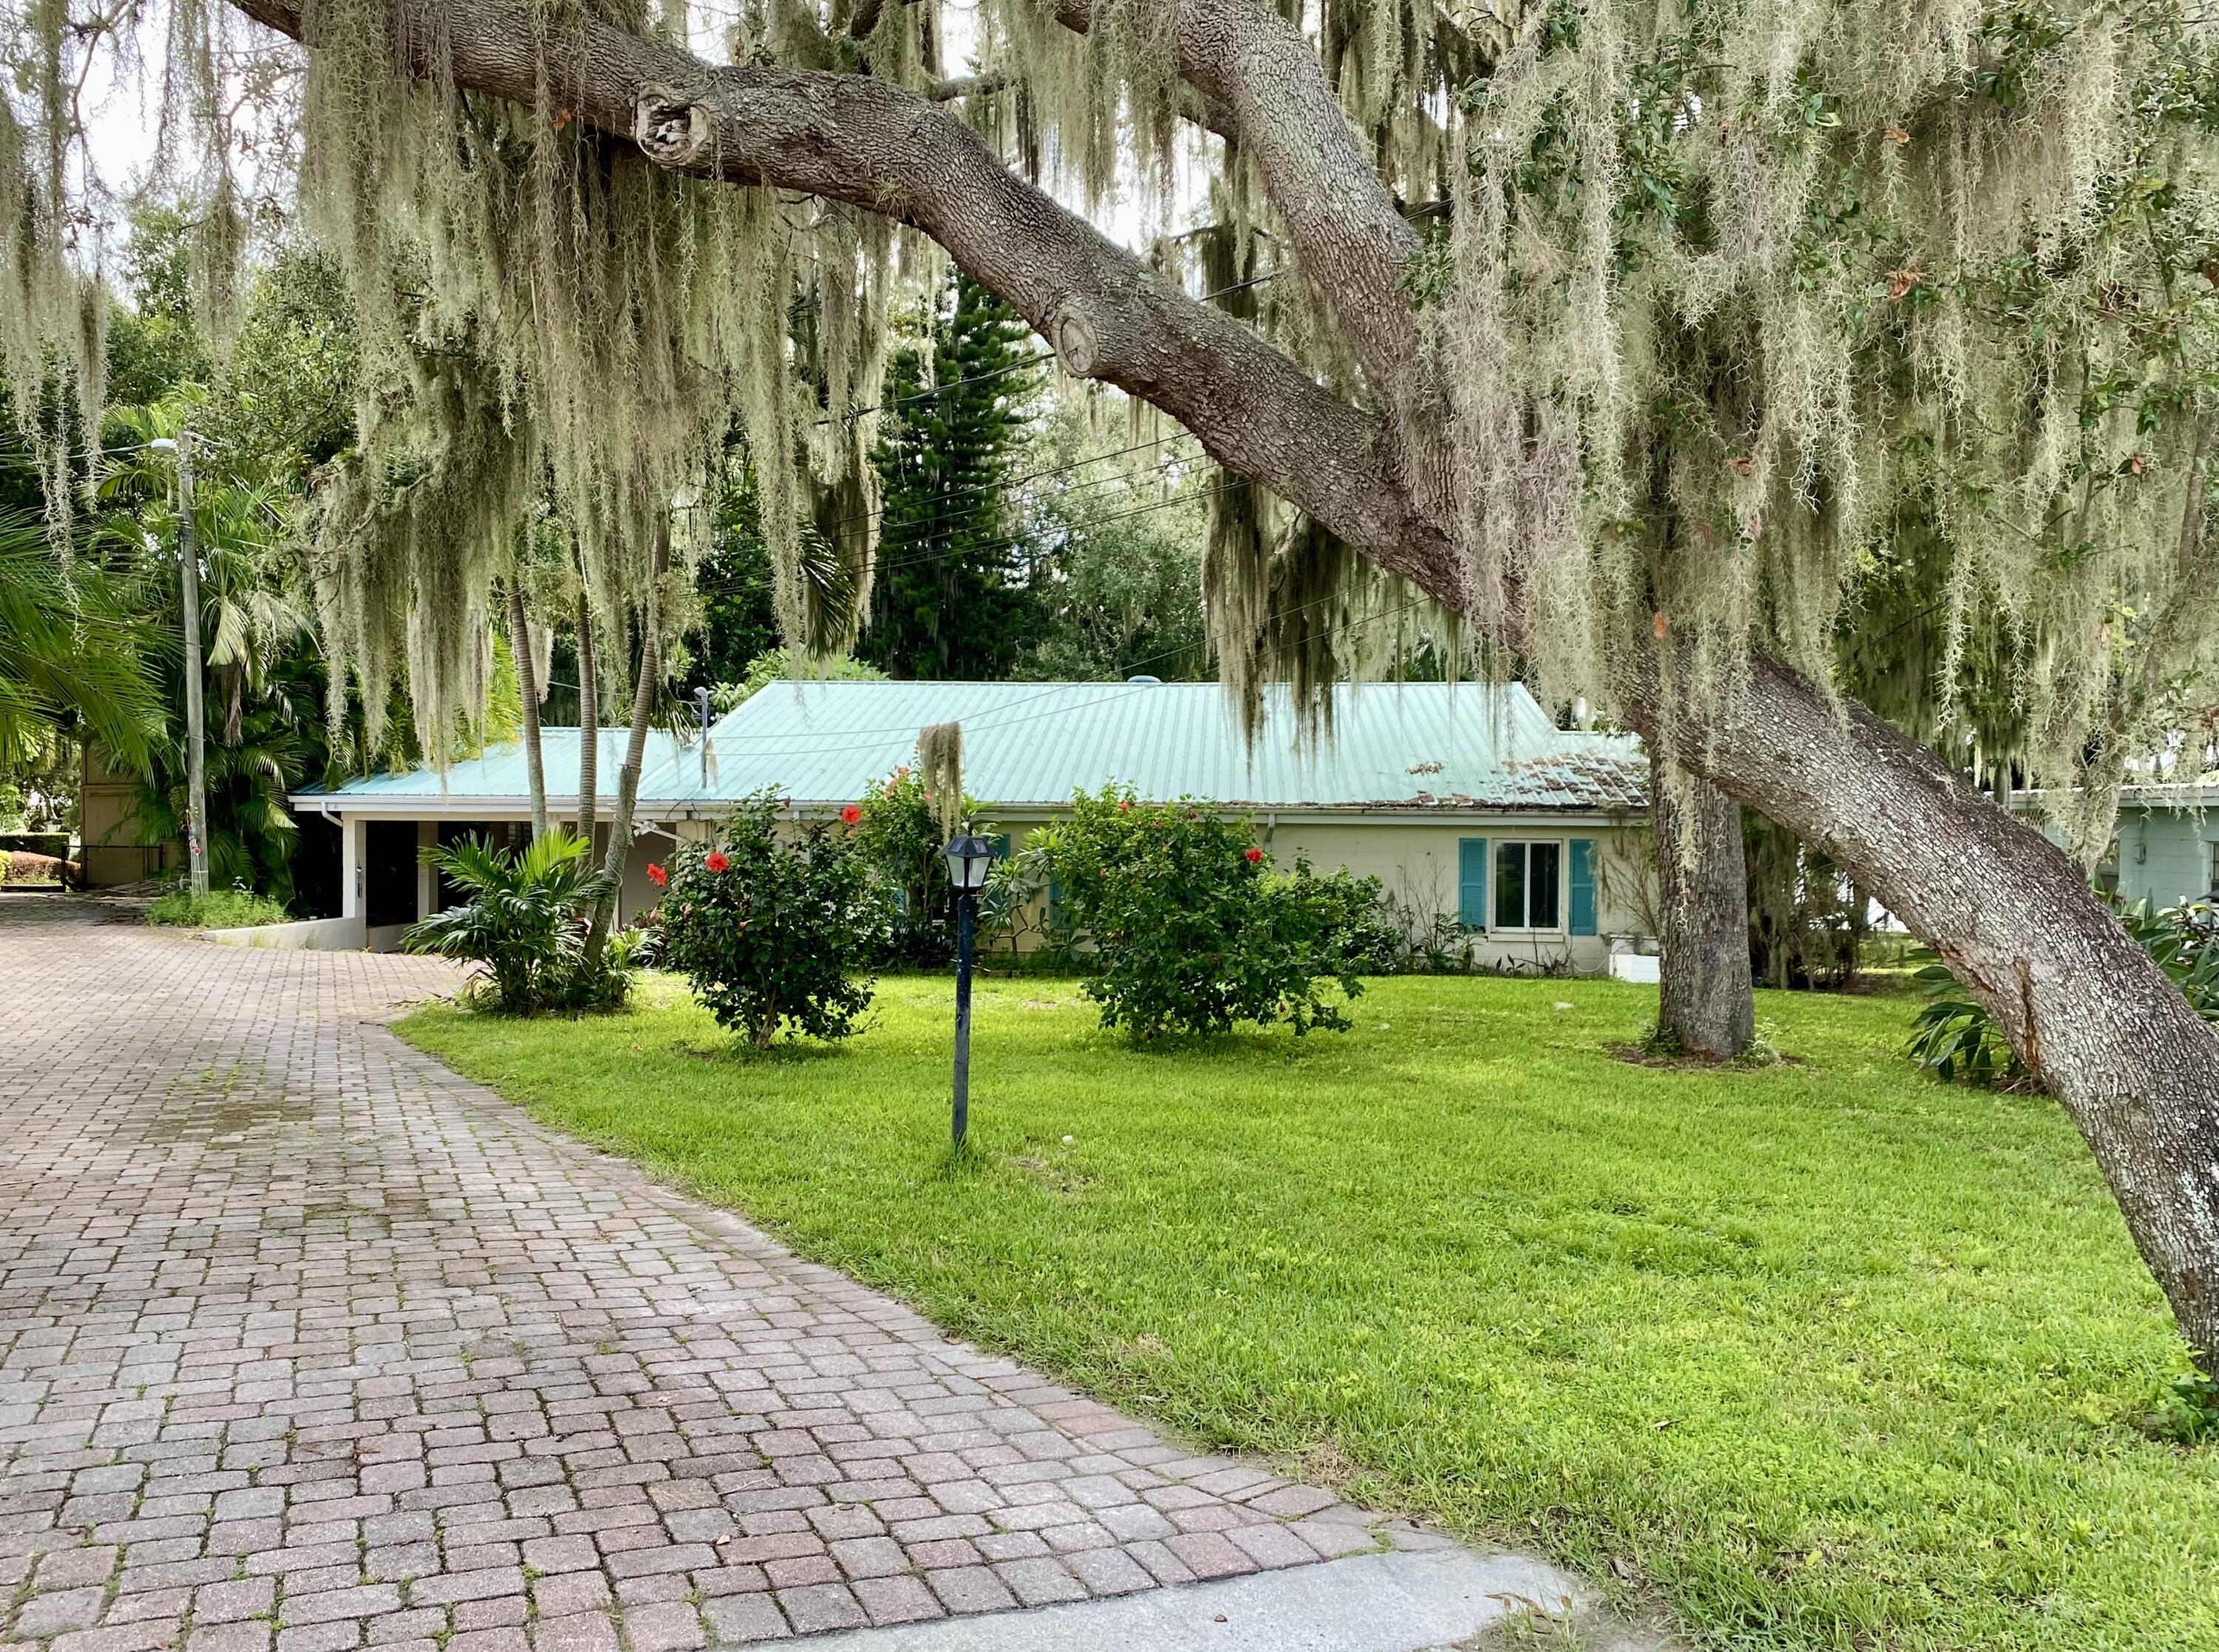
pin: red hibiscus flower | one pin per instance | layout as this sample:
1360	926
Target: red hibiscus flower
656	875
1125	808
716	861
851	814
1252	855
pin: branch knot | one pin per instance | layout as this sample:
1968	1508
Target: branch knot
669	125
1076	343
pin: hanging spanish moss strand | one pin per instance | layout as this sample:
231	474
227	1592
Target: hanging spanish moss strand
940	767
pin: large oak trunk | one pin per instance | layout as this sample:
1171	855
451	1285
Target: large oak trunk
1705	1006
2087	1010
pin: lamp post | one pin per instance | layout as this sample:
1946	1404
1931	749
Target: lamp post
969	859
189	572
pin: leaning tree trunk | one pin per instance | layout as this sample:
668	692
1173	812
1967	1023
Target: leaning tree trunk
1705	1007
589	726
535	763
2093	1017
642	707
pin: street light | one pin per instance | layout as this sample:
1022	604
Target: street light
969	860
189	573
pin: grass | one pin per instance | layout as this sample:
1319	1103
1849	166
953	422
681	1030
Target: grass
1821	1355
220	909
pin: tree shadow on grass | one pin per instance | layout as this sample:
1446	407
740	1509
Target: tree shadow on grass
782	1052
1249	1045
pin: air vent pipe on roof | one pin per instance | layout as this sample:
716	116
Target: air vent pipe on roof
1144	679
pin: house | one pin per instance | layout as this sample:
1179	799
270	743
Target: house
2165	848
1473	809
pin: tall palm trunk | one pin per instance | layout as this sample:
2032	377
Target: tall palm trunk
535	762
643	705
589	724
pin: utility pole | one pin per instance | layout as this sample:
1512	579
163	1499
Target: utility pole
189	570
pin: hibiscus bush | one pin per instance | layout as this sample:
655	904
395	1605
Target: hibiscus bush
775	930
1192	928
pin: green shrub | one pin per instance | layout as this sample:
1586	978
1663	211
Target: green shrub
899	837
220	909
525	919
1192	930
1954	1035
775	932
1354	925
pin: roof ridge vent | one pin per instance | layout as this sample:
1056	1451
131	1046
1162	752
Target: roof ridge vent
1143	678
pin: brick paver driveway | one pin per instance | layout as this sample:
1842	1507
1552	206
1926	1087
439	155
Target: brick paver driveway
305	1340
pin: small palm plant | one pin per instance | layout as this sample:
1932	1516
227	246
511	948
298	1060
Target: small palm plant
523	918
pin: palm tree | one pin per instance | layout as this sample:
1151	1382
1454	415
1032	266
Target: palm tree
252	611
70	653
523	919
264	730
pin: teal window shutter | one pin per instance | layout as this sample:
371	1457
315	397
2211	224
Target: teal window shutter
1054	902
1471	882
1581	895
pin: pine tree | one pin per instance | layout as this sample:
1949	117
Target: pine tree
952	599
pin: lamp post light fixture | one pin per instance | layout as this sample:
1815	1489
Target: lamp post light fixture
969	860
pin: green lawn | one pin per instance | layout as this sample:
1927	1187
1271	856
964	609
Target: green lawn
1827	1355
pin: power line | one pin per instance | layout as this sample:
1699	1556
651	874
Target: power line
734	588
1003	543
985	725
1149	659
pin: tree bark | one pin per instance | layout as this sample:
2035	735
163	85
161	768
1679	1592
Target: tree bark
589	725
642	707
534	765
2086	1007
1705	1005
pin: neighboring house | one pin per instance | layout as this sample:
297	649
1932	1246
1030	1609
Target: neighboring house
2165	848
111	851
1465	800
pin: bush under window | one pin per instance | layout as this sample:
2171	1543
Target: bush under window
1193	930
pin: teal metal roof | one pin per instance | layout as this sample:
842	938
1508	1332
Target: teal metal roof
1394	746
501	772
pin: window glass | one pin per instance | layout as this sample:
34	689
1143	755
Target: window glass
1510	886
1528	891
1542	884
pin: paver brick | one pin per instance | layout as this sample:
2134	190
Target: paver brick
970	1588
245	1636
744	1617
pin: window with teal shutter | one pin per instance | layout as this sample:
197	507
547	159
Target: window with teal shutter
1580	895
1054	902
1471	882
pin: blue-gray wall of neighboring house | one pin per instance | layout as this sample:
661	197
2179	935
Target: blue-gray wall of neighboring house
2165	854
